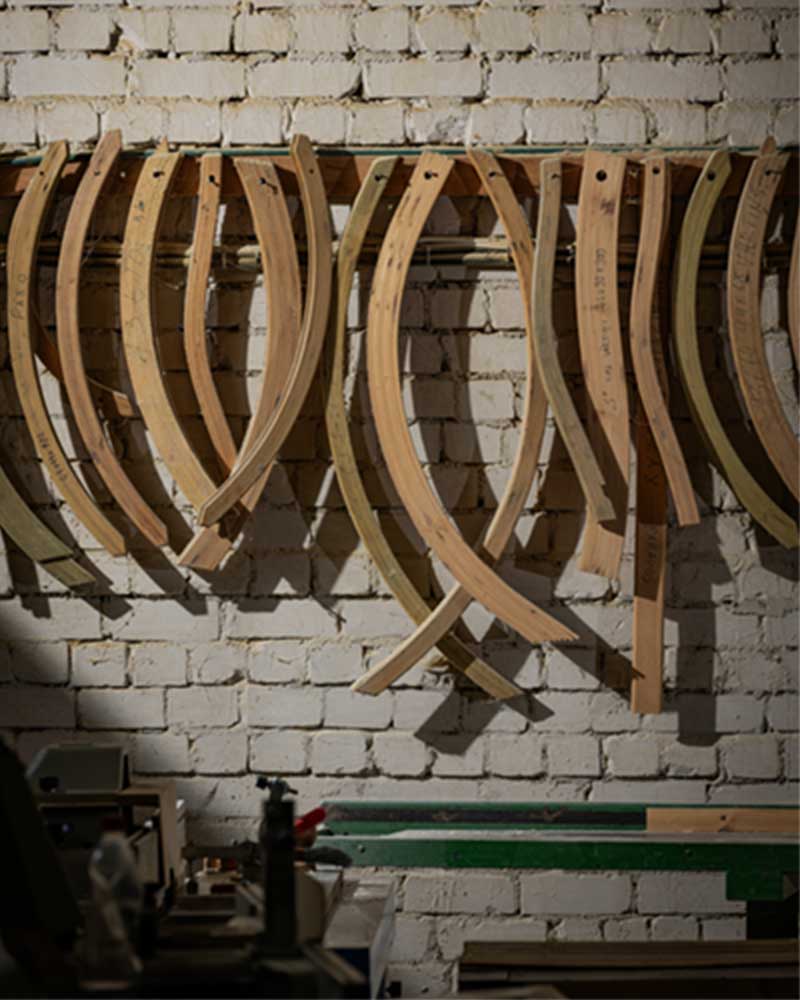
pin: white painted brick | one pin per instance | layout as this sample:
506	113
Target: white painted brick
39	663
121	709
284	573
568	80
466	893
788	29
742	35
400	754
376	124
202	30
339	753
322	31
370	619
501	30
620	122
486	400
193	122
763	80
413	938
98	664
614	34
443	31
578	929
458	308
674	929
342	577
270	706
335	664
573	756
684	892
562	893
218	662
157	664
782	713
684	79
506	313
220	752
55	620
632	756
723	929
456	758
738	713
660	4
562	31
322	123
139	121
440	122
556	123
739	124
261	33
453	932
383	30
159	753
252	123
265	619
35	76
344	709
689	761
192	620
572	669
205	79
24	31
497	122
17	123
423	78
279	752
199	707
300	78
625	929
143	30
751	757
660	791
37	707
677	123
74	119
566	711
515	756
79	29
683	33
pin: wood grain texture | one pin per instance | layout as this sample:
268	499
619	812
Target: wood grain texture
281	270
76	382
744	317
793	295
734	820
23	240
647	351
545	342
264	449
476	578
602	356
687	261
348	475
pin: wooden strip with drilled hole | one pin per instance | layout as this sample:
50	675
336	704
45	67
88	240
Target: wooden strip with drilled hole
602	356
687	262
194	311
477	578
744	315
264	449
664	819
545	342
138	333
343	453
793	294
68	277
647	351
23	239
281	270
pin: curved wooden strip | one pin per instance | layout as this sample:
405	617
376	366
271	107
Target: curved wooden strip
744	316
281	271
647	351
23	239
344	459
476	578
793	304
138	335
264	449
69	342
602	357
545	343
687	261
194	311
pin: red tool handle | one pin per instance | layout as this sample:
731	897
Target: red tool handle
309	820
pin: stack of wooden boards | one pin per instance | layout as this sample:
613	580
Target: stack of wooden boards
661	325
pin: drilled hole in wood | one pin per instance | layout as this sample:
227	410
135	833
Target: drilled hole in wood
656	170
158	173
430	174
601	175
712	176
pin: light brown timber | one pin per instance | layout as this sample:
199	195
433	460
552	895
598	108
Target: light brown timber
735	820
793	294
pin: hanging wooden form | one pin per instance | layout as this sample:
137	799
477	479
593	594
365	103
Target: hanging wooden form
264	449
744	315
602	357
650	553
281	272
687	261
793	297
76	382
342	451
23	239
546	345
477	579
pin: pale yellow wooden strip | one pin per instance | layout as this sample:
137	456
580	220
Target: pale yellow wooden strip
793	294
738	819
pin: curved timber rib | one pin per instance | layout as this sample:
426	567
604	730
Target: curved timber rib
344	459
69	342
793	305
23	239
687	261
424	508
744	315
281	271
647	352
546	345
599	204
264	449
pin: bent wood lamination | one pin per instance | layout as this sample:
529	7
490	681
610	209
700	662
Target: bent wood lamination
424	508
23	239
793	295
744	316
602	357
69	342
687	261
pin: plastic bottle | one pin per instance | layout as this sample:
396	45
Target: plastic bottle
117	896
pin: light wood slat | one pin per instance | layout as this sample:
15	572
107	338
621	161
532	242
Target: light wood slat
687	261
77	385
194	311
744	315
793	295
344	459
23	239
663	819
424	508
647	351
510	505
273	227
600	340
138	334
264	449
545	342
